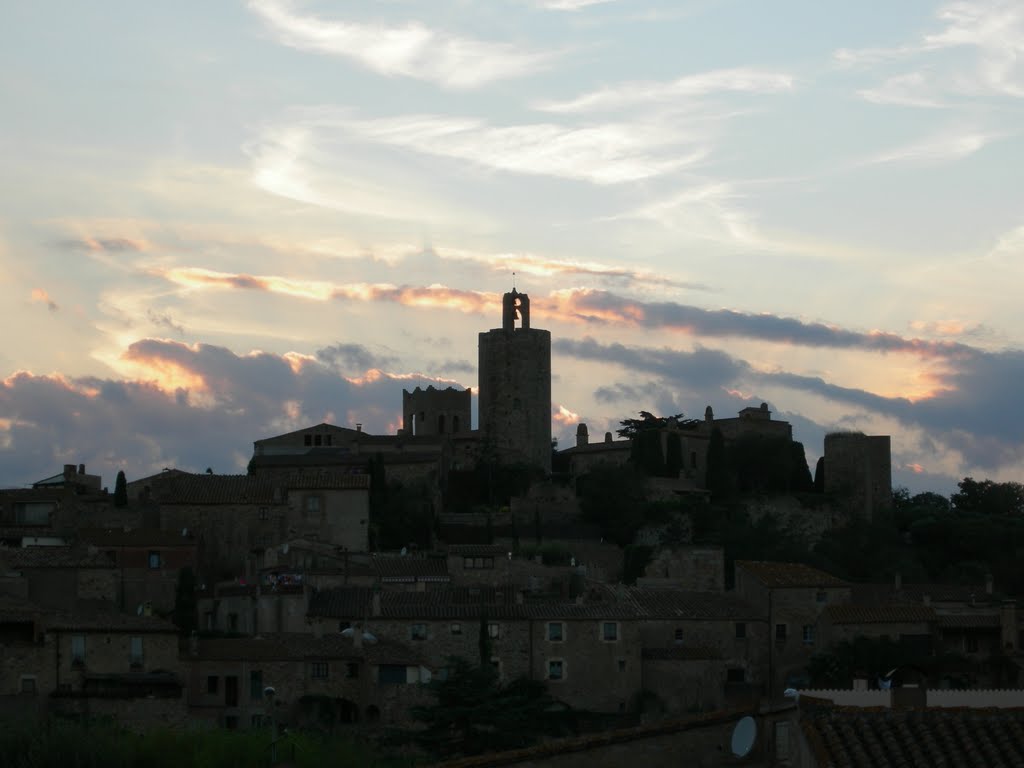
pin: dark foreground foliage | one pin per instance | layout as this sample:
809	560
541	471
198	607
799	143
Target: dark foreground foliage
60	743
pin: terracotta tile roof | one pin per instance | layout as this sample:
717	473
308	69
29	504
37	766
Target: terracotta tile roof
54	557
667	603
134	537
478	550
852	737
969	621
916	593
469	602
328	481
110	622
682	653
297	647
879	614
410	569
773	574
185	488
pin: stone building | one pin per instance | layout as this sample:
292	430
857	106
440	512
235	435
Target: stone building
793	597
321	681
64	578
858	472
515	385
434	411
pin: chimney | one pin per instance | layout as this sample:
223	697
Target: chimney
69	471
607	437
582	436
81	469
376	602
860	684
359	427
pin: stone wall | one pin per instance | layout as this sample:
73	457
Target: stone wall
697	568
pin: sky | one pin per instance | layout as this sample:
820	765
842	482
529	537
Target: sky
225	221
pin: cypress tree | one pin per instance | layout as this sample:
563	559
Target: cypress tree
120	490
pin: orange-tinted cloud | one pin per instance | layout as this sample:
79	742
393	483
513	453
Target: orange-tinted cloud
40	296
562	415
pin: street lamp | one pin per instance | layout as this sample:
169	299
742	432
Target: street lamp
268	694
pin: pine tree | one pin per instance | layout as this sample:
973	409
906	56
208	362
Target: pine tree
120	490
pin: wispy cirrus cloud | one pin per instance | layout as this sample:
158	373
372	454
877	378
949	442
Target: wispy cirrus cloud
739	79
602	154
105	244
412	50
992	29
937	149
569	5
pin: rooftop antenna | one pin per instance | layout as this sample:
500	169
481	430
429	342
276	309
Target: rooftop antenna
513	281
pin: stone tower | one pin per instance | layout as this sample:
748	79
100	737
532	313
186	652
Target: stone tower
515	385
858	470
433	411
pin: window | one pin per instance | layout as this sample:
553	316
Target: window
318	439
741	630
264	513
230	690
821	597
352	670
33	512
493	630
327	439
440	424
735	675
78	650
971	643
211	684
136	652
256	684
256	721
780	633
231	722
556	669
610	631
233	622
318	670
391	674
496	665
808	634
456	628
28	684
154	559
209	621
693	459
478	562
418	632
679	635
312	506
556	632
622	665
307	439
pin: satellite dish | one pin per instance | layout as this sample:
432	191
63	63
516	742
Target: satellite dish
743	737
404	552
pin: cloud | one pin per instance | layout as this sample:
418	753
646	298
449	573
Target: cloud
412	50
569	5
108	245
937	149
973	411
608	153
207	415
39	296
166	321
992	29
741	79
349	357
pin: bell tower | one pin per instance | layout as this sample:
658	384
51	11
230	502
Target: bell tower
515	385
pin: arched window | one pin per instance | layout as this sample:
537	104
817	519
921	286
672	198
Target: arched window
455	424
440	424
